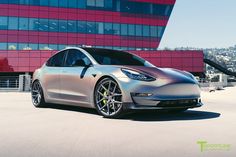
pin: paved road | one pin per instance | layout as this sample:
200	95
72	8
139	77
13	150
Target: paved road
75	132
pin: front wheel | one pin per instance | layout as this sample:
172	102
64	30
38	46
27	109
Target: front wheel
37	94
108	98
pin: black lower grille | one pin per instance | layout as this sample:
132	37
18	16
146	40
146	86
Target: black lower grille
178	103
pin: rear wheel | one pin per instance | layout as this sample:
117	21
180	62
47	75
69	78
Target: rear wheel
108	98
37	94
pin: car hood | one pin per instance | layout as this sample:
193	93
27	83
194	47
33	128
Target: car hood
164	73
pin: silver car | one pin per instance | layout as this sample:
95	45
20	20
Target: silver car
112	82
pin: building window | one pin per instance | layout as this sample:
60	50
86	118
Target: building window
100	27
146	31
43	25
81	28
3	22
108	28
62	26
116	29
153	31
91	27
91	3
72	26
33	24
72	3
131	30
34	2
23	24
13	23
54	3
12	46
139	30
63	3
124	30
44	2
53	25
81	3
108	4
160	31
100	3
3	46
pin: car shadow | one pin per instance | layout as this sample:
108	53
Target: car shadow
167	116
146	116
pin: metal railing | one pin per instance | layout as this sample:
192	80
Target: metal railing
9	82
15	83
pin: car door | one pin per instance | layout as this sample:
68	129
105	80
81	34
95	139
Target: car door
76	78
51	79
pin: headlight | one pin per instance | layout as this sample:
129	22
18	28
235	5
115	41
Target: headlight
137	75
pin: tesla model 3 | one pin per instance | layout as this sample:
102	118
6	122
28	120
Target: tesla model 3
112	82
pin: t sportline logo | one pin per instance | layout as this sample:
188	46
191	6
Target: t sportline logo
204	146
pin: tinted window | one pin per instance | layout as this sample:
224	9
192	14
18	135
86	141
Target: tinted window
3	22
57	59
23	24
112	57
13	23
74	58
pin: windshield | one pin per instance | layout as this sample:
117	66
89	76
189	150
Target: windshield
114	57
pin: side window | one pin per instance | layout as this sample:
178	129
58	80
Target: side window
76	58
57	60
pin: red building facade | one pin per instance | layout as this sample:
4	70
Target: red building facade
32	30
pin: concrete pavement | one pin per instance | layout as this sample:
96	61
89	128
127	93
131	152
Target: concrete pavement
59	131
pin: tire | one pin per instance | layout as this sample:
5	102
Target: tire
108	98
37	95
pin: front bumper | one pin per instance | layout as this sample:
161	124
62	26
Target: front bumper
166	105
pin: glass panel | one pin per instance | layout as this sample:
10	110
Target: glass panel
33	24
34	2
43	25
53	25
131	30
43	47
81	28
54	3
91	27
72	26
53	47
13	23
24	46
81	3
108	3
3	46
99	3
91	3
23	24
34	46
62	26
108	28
146	31
72	3
44	2
160	31
63	3
100	26
3	22
153	31
139	30
116	29
26	2
124	30
12	46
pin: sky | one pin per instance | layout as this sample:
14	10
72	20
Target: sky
201	24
